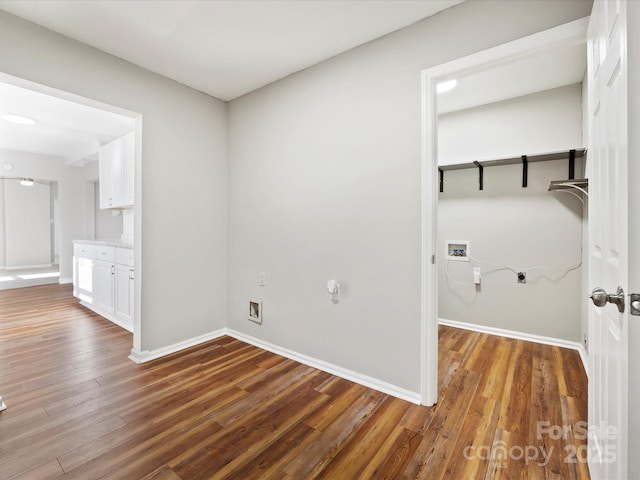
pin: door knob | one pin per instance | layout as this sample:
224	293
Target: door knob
599	297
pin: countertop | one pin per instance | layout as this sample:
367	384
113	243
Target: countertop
109	243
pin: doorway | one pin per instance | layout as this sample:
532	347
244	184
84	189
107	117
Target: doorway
570	34
61	144
29	226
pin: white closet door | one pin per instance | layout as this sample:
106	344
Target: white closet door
27	224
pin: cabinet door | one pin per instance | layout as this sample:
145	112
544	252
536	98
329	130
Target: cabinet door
83	279
75	276
103	283
103	174
124	306
128	159
131	302
110	165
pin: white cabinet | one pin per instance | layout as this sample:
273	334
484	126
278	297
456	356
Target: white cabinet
116	167
103	286
124	284
128	168
83	278
83	255
103	281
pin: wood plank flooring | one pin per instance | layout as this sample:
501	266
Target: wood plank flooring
78	408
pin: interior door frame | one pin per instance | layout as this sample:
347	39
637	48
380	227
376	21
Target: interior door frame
572	33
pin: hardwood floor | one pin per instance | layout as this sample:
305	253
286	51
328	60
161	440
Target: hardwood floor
78	408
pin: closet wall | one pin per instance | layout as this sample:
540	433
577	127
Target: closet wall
511	228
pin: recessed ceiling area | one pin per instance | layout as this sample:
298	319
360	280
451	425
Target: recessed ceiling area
225	48
62	128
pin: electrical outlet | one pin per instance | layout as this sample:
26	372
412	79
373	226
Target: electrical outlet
262	280
522	277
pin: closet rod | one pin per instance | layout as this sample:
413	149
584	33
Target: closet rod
542	157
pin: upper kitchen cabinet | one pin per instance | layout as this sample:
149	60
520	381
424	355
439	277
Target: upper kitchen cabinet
116	166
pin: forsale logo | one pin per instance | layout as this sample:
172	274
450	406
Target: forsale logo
501	454
604	449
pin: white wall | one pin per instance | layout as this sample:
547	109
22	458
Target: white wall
325	183
542	122
517	227
27	225
183	268
511	225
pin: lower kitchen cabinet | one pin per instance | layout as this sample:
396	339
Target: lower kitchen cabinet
103	281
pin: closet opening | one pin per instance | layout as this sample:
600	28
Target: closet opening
503	175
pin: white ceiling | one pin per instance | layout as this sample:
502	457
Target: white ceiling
229	48
546	70
225	48
65	129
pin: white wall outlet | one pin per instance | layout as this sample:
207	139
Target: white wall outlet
262	279
476	275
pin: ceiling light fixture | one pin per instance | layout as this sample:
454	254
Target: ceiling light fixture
446	86
26	182
19	119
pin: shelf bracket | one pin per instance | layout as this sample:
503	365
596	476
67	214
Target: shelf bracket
525	171
572	164
480	174
441	179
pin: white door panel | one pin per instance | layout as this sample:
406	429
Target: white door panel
608	238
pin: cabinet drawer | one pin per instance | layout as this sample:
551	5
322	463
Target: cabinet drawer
108	254
124	256
84	250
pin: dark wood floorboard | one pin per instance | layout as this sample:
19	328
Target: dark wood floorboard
80	409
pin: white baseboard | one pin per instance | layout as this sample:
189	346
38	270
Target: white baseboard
63	281
367	381
336	370
28	267
529	337
148	355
